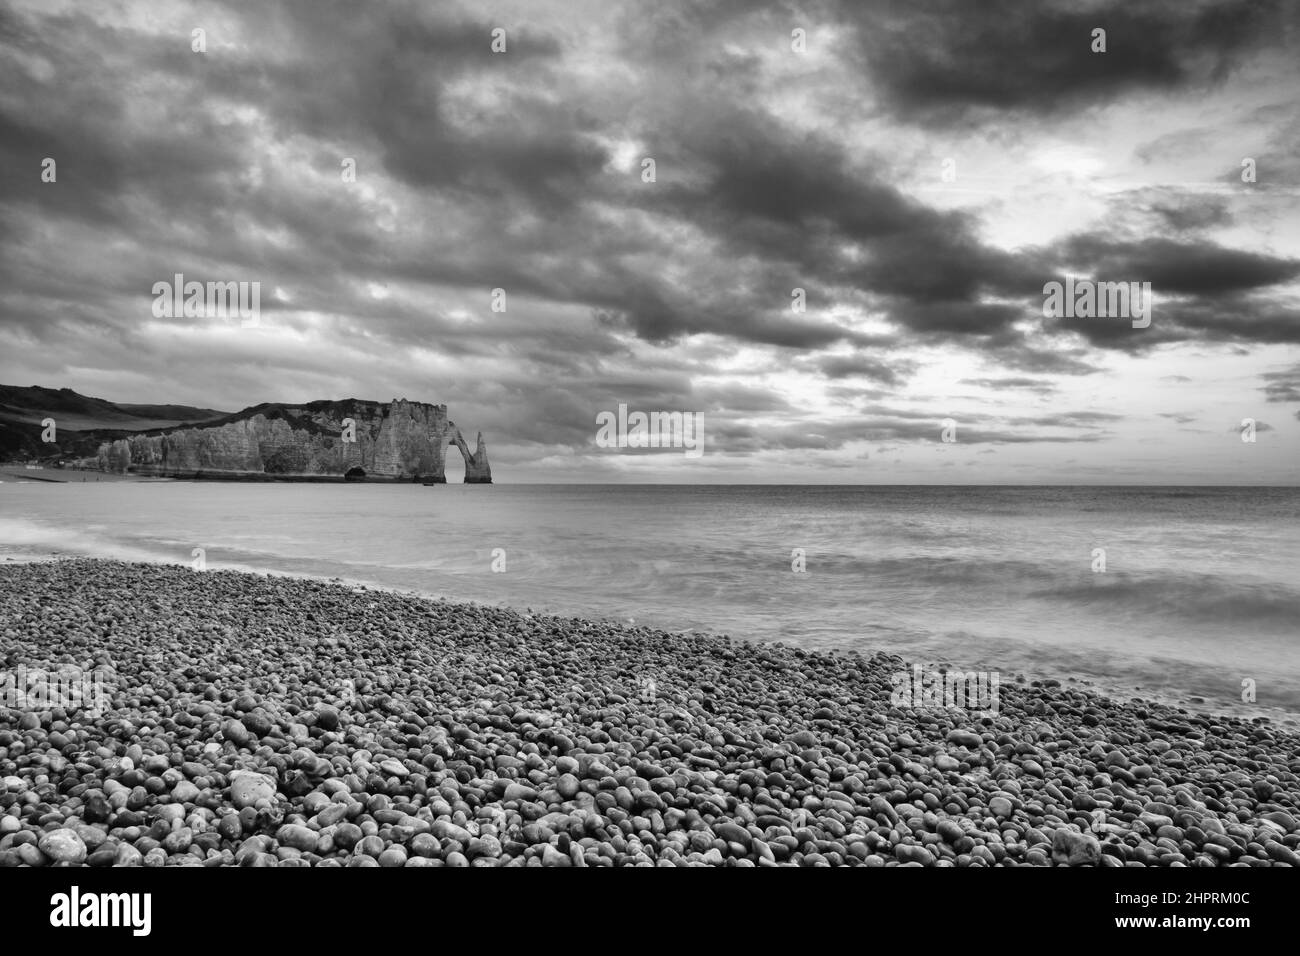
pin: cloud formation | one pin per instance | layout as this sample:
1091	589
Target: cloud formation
796	254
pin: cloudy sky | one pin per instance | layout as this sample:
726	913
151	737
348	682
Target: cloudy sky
919	171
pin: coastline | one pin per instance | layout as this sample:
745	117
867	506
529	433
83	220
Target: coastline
291	721
1183	698
64	476
76	475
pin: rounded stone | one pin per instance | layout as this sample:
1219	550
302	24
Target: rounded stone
567	786
347	835
247	788
297	836
63	846
1001	807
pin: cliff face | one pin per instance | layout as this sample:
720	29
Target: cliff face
81	423
398	441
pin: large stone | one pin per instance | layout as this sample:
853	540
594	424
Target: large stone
733	833
297	836
327	718
1072	848
63	846
247	787
567	786
236	733
518	791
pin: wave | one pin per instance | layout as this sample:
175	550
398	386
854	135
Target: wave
30	537
1201	597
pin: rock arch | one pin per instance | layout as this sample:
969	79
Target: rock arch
477	469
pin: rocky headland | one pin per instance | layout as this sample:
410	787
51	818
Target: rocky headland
326	440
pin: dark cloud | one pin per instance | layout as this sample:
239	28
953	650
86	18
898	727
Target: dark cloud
1016	351
1201	291
1074	418
1194	267
864	366
1186	211
982	436
739	399
932	65
1231	319
799	211
956	317
1030	384
1282	386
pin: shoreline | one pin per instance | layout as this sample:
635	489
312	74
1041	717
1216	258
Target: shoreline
67	476
279	720
62	476
1184	699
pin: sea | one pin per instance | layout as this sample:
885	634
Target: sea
1190	595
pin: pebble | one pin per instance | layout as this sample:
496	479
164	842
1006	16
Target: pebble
236	733
247	788
486	846
1001	807
519	792
1073	848
185	792
567	786
475	736
1283	819
347	835
912	853
297	836
63	846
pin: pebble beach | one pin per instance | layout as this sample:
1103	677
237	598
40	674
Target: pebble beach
249	720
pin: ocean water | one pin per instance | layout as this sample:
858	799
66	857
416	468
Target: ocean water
1200	592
